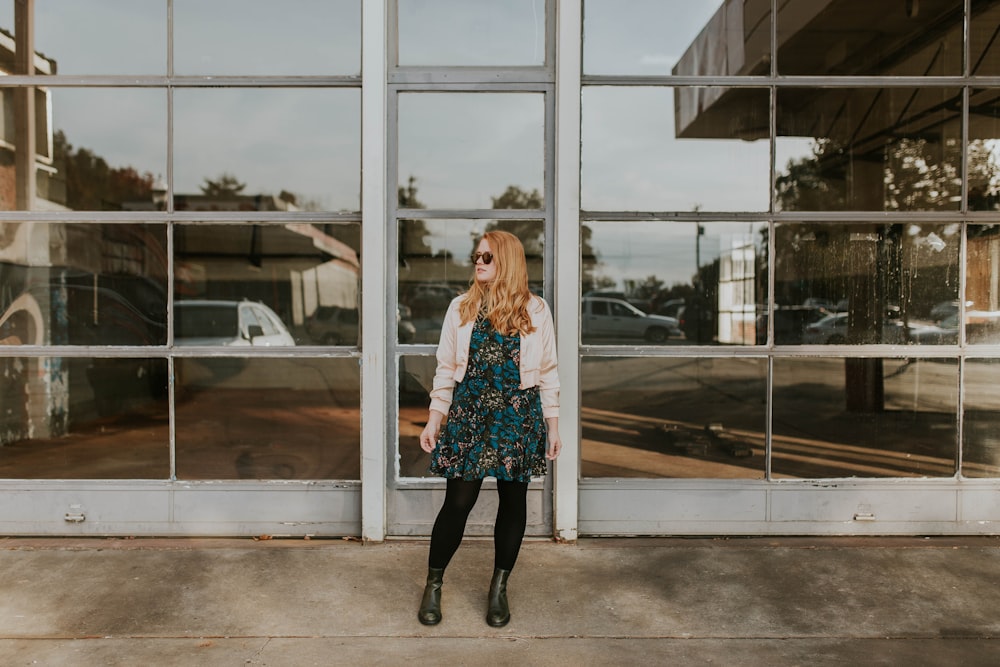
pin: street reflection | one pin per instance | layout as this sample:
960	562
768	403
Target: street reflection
673	418
864	417
83	418
268	418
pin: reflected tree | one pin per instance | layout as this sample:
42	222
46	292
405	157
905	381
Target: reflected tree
91	183
533	237
226	186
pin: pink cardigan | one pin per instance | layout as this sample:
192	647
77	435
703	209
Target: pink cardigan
537	364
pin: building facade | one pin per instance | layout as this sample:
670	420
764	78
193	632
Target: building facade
769	232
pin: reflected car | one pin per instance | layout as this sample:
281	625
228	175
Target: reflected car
332	325
616	319
832	330
228	323
982	327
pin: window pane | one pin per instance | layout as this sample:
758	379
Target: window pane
472	32
984	150
82	284
97	149
870	39
891	149
637	155
298	282
464	150
658	37
673	282
240	418
83	418
864	417
416	378
982	287
984	49
679	418
981	449
261	37
132	35
274	149
435	266
866	283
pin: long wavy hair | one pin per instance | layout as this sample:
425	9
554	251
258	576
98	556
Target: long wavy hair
506	298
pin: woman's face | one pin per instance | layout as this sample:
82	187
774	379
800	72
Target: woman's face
485	273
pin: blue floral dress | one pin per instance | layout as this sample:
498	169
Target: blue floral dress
494	428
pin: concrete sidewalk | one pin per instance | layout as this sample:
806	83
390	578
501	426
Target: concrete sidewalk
762	601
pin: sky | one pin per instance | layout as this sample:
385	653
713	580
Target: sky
463	149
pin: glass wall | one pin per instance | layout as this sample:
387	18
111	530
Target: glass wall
738	216
180	262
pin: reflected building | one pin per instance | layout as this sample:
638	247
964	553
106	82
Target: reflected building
769	233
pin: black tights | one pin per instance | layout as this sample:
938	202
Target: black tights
459	499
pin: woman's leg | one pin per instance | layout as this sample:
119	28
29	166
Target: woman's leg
449	527
512	517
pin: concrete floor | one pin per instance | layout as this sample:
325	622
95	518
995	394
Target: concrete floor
773	601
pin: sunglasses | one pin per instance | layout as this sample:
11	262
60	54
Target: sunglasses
487	257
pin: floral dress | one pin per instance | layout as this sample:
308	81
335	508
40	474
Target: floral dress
494	428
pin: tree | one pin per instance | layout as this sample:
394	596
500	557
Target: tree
91	183
532	234
227	186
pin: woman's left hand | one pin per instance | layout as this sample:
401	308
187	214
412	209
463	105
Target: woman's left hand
555	446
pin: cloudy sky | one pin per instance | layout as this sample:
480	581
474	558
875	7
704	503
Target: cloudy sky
463	149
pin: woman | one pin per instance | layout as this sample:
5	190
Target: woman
497	383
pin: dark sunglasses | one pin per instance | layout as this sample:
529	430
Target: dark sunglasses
487	257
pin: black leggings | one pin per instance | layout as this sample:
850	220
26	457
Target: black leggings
459	499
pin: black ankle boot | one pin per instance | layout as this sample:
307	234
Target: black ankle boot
430	604
498	613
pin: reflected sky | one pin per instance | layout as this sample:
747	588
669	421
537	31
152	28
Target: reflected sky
648	39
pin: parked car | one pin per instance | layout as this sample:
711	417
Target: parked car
229	323
615	319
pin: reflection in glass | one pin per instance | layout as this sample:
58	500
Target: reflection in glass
416	378
981	430
982	287
637	154
82	284
864	417
658	37
97	149
983	151
240	418
866	283
267	284
263	150
131	34
677	418
837	39
471	32
984	49
872	149
83	418
673	282
435	266
466	150
259	37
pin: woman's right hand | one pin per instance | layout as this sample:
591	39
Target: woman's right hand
429	436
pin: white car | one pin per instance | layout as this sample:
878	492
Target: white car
609	319
229	323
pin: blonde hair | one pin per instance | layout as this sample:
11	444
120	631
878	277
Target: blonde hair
506	298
